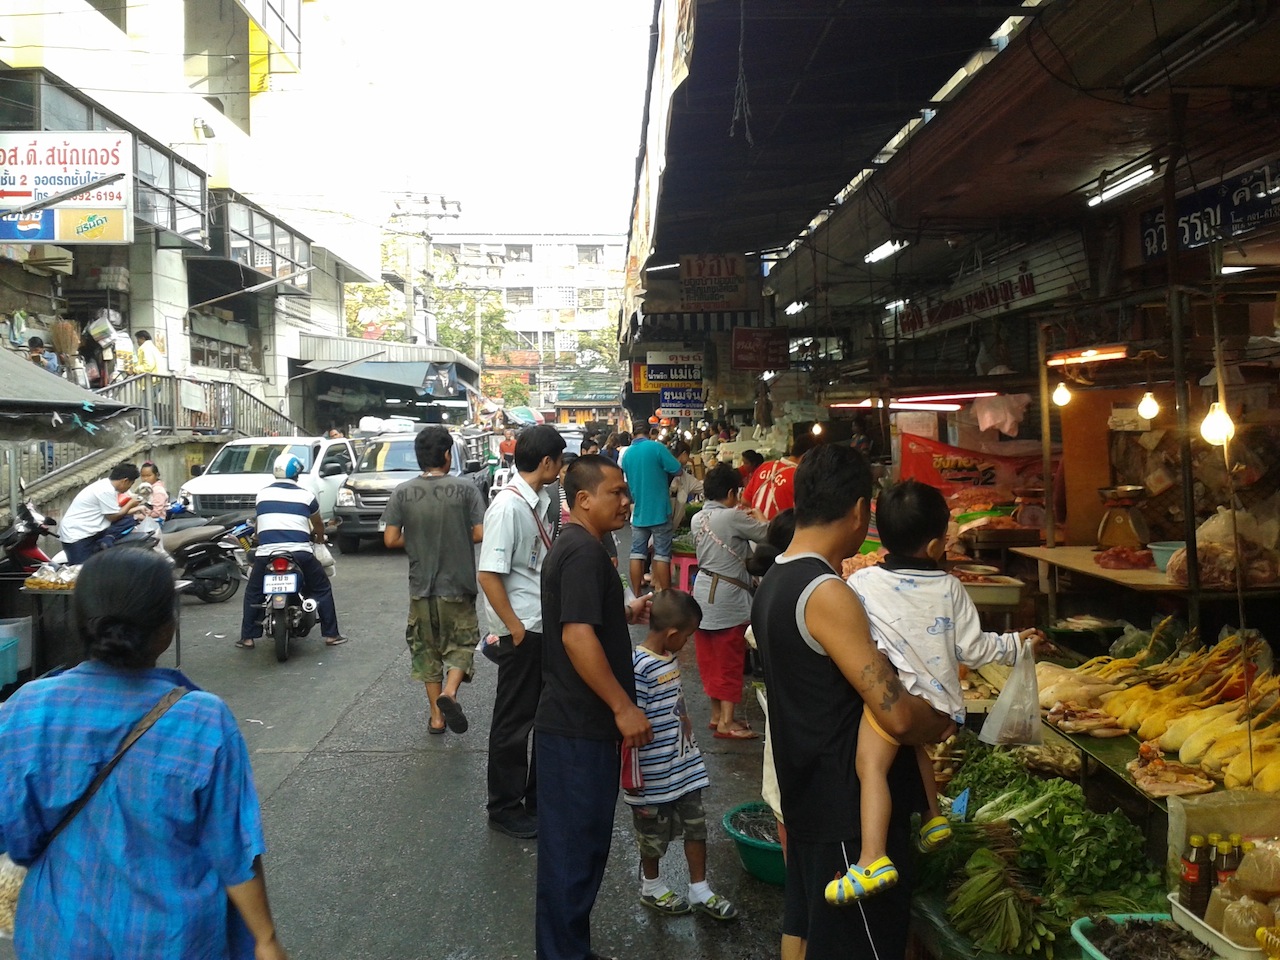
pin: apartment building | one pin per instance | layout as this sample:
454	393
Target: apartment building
230	288
558	291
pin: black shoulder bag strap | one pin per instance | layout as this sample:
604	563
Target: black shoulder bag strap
145	724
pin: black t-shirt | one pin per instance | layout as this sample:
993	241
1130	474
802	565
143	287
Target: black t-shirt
580	585
814	713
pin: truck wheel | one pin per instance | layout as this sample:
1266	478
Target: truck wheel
348	544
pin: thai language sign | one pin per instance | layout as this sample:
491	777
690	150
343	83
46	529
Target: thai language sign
674	368
713	282
36	165
1233	206
760	349
680	402
954	468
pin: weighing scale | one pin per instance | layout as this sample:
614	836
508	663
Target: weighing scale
1123	524
1029	511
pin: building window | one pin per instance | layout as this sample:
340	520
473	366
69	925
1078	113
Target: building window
257	241
590	253
519	253
220	355
520	296
591	298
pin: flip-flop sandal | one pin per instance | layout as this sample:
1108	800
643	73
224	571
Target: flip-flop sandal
431	728
335	641
454	718
739	734
862	882
246	643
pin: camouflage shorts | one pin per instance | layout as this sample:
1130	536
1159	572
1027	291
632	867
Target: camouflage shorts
442	635
657	824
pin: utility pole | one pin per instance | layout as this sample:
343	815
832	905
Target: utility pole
426	325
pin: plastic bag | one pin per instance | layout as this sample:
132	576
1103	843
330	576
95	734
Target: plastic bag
11	877
323	554
1242	919
1015	717
1259	871
1221	897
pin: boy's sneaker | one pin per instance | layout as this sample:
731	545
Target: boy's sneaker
718	907
934	834
862	882
670	903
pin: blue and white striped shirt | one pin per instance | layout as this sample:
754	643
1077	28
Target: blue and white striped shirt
284	518
671	763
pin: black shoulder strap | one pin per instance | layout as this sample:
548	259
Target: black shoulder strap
145	724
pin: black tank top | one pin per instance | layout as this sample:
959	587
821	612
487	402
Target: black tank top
814	712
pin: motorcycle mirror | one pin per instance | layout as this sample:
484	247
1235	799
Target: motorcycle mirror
22	485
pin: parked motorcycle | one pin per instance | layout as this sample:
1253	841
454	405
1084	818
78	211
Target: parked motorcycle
21	542
212	556
289	613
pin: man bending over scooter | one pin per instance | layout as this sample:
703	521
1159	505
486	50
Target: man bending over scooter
97	518
288	522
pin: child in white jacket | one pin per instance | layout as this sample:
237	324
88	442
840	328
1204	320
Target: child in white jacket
924	622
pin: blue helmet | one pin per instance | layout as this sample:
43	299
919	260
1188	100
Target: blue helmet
287	467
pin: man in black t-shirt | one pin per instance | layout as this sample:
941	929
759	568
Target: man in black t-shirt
821	670
587	707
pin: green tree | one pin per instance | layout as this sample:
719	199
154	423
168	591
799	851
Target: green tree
369	307
513	390
455	310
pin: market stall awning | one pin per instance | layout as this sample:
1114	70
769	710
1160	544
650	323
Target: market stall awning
423	377
35	404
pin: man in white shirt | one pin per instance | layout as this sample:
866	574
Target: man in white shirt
516	542
96	517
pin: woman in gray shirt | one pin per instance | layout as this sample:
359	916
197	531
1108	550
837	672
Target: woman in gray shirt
722	535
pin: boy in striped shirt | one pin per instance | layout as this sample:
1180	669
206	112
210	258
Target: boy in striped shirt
668	801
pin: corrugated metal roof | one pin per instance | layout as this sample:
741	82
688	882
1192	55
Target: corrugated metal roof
346	349
25	386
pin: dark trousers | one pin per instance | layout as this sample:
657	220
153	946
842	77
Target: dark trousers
513	777
82	550
318	588
576	801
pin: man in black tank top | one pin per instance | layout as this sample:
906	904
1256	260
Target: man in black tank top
821	667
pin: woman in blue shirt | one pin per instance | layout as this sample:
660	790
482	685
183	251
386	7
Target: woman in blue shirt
165	859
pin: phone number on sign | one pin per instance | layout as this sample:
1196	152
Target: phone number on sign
100	195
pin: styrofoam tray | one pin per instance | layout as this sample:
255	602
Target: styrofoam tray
1228	949
1003	592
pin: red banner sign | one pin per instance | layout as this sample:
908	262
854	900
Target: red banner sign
760	349
954	468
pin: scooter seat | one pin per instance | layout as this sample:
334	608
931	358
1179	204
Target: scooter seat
173	542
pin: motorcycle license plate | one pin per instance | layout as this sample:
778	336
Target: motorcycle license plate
280	583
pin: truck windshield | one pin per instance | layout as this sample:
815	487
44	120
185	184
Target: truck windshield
389	455
255	457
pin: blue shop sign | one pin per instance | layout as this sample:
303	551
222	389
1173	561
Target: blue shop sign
27	227
1234	206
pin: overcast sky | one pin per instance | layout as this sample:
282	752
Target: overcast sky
526	111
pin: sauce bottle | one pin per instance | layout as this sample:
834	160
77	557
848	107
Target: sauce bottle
1194	882
1212	841
1237	845
1227	862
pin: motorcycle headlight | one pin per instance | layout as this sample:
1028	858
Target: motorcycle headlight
346	497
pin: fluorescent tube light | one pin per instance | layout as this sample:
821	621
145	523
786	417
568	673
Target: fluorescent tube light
884	251
1126	183
899	304
934	398
796	307
895	405
1227	270
1109	351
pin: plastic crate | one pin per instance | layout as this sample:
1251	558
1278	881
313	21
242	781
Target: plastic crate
1227	949
20	629
761	859
1080	930
8	660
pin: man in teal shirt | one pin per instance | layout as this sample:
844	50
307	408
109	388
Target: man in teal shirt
649	467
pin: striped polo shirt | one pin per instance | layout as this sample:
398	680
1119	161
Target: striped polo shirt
284	518
671	763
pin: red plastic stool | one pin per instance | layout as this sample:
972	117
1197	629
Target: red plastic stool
684	567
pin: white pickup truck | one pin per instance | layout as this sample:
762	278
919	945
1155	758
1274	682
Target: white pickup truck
243	467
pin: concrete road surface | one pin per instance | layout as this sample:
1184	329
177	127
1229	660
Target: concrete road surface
378	846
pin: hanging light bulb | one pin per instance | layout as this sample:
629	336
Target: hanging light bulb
1148	406
1217	427
1061	395
817	429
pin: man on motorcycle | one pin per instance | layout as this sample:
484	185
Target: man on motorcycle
97	518
288	522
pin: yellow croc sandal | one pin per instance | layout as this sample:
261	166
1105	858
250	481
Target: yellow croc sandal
862	882
934	834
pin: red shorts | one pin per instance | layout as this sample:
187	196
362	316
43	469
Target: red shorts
721	656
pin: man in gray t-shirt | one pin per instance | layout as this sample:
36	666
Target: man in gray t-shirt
438	519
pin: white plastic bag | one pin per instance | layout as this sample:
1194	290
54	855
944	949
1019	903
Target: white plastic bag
323	554
11	877
1015	717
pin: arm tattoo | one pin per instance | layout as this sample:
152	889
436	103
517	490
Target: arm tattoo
880	673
